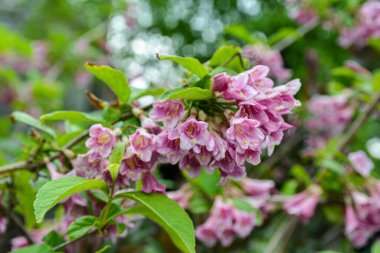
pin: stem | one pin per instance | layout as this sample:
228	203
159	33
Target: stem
27	165
63	245
233	57
281	235
350	133
17	222
281	45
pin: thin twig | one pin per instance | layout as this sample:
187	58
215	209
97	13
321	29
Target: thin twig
63	245
17	222
281	45
356	125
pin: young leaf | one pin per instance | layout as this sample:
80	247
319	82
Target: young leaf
55	191
193	93
191	64
80	227
114	78
168	214
139	93
71	115
29	120
117	153
37	248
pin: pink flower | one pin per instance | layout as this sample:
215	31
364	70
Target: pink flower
19	242
151	184
303	204
263	55
190	164
150	126
255	187
101	139
245	133
170	149
169	112
225	224
90	165
239	89
361	163
355	229
191	133
132	166
142	144
221	82
3	224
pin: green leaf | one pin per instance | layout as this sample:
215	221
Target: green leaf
72	116
117	153
29	120
193	93
207	183
374	42
191	64
228	56
139	93
169	215
300	173
53	239
375	247
333	166
289	188
376	81
284	33
54	191
239	32
25	194
114	78
37	248
243	205
80	227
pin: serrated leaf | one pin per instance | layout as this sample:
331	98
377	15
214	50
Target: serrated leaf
29	120
72	116
80	227
54	191
115	79
168	214
192	93
191	64
37	248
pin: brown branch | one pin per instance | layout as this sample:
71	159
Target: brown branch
17	222
357	124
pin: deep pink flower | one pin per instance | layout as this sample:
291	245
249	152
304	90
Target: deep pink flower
207	234
221	82
151	184
361	163
239	89
169	112
303	204
192	132
142	144
101	139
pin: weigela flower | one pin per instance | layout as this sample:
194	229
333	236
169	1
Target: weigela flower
225	224
303	204
261	54
170	149
221	82
151	184
142	144
101	140
169	112
245	134
192	132
90	165
3	224
132	166
361	163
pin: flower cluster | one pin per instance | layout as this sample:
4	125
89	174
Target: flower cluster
260	54
367	26
362	215
221	139
324	123
226	222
